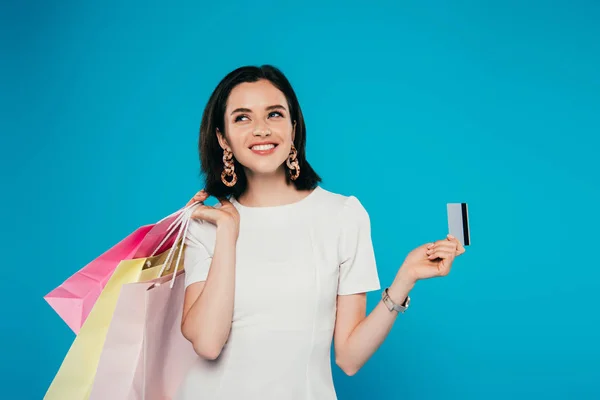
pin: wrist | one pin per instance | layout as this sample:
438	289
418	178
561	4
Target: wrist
406	276
401	286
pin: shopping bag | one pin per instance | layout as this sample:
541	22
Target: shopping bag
168	355
146	323
74	298
77	371
145	355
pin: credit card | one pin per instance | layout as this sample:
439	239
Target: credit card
458	222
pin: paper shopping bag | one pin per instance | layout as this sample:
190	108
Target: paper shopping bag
74	298
76	374
168	355
145	355
122	348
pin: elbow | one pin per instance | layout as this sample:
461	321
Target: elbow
349	368
207	349
207	352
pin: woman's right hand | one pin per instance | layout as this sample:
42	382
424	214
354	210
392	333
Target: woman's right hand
226	216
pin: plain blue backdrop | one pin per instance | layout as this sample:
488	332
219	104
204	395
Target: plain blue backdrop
409	105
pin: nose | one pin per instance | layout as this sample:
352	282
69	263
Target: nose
262	131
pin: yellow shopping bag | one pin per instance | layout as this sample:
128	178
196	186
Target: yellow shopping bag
76	374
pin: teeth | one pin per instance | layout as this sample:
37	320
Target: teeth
262	147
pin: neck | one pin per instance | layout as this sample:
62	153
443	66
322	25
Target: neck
269	190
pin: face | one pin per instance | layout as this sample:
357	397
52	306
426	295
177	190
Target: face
258	127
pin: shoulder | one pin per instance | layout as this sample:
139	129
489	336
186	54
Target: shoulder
342	205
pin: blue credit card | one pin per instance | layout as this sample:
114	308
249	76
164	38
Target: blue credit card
458	222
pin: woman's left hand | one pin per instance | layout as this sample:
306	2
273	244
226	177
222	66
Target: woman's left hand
432	259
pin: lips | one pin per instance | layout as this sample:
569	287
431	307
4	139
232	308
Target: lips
263	146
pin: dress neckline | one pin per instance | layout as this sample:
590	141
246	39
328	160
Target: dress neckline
294	204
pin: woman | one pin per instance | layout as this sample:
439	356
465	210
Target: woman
283	265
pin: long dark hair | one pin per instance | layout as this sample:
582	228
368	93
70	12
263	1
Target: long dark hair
213	118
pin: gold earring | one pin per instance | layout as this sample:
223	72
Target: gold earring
292	163
229	169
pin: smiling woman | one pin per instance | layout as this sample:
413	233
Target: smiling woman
279	270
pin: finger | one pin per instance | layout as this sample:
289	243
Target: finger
443	244
432	255
460	249
200	196
444	267
453	240
450	247
441	254
447	244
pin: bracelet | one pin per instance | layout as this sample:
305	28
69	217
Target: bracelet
389	303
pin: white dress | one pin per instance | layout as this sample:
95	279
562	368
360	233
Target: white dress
292	262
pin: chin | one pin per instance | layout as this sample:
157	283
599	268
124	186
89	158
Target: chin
266	166
264	170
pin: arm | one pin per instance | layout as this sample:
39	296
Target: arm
358	336
208	305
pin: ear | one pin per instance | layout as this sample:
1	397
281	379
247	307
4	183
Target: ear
222	140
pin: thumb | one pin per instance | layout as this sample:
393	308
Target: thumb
206	213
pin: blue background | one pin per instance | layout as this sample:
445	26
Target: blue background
409	105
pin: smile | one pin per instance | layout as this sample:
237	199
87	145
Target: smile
263	149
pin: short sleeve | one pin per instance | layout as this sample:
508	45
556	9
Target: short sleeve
358	268
199	250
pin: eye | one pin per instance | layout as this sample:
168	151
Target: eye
239	117
277	113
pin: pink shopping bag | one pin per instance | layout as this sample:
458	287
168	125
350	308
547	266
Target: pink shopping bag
74	298
145	355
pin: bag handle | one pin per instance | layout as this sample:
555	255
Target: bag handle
175	224
183	222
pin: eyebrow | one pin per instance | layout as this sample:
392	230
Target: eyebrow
270	108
